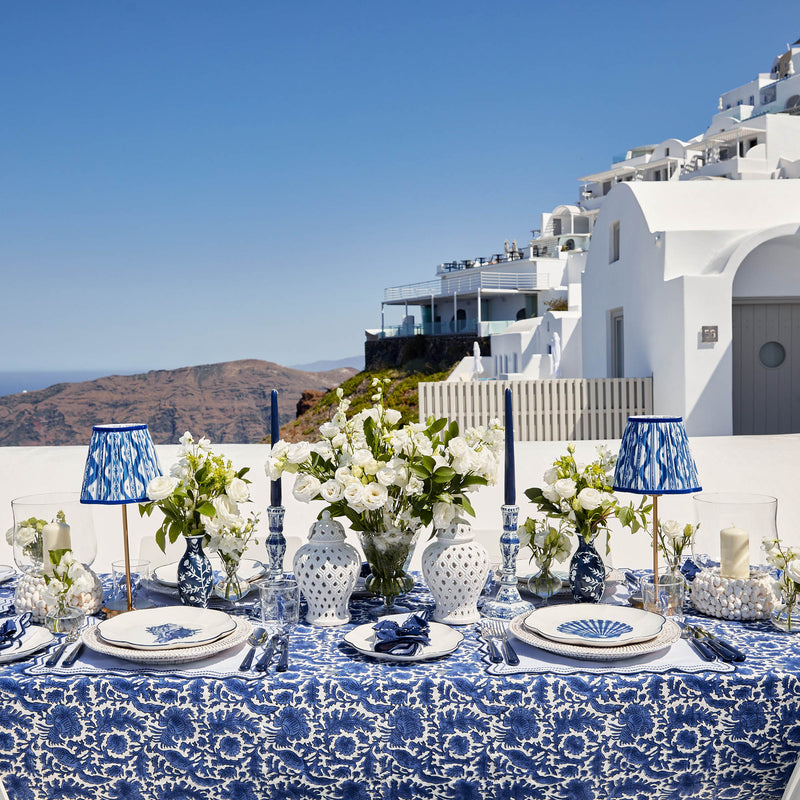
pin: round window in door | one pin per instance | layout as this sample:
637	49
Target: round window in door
772	354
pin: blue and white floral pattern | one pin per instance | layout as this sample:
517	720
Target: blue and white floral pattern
341	726
587	573
170	632
595	628
195	574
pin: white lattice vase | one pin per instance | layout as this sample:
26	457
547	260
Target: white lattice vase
455	568
326	568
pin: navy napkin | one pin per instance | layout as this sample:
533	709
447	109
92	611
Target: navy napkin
402	640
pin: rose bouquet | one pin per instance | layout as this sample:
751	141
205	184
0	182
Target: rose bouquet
787	560
581	497
201	495
673	539
389	480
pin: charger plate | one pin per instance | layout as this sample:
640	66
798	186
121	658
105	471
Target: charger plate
594	624
91	638
669	633
166	628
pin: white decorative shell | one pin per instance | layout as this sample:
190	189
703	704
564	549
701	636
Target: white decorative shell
28	596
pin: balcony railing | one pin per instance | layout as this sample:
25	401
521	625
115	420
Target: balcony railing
467	284
465	326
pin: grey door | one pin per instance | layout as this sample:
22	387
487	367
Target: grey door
766	368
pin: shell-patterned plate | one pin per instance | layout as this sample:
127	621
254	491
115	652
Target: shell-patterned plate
593	625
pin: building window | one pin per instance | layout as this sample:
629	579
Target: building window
613	242
606	187
666	151
617	344
752	100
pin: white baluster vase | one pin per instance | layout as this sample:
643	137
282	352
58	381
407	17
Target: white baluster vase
326	568
455	568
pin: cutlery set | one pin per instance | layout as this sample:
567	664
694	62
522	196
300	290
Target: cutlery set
276	643
708	646
493	631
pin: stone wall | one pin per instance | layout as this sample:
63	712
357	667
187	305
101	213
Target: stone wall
394	351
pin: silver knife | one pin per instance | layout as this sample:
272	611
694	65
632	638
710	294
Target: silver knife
73	656
262	665
508	651
283	661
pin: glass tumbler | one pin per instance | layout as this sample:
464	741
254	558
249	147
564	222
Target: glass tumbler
668	600
140	585
280	604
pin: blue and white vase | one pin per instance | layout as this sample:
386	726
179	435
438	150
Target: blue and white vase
195	575
587	573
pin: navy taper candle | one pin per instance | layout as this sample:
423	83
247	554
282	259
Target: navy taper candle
275	435
511	487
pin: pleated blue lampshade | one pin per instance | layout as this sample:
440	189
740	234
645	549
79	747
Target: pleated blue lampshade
122	460
654	458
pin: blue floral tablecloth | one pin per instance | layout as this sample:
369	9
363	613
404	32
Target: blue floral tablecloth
338	725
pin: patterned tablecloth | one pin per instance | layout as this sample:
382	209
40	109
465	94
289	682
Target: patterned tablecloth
339	725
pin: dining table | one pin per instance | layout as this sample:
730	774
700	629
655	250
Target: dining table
342	724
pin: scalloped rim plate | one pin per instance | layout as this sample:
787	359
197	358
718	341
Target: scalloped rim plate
669	633
146	628
444	640
92	640
583	624
6	573
249	570
34	639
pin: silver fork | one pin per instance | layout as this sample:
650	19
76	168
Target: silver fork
486	635
499	631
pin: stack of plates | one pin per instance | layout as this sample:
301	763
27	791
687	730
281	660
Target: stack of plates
167	635
595	632
250	570
6	573
34	639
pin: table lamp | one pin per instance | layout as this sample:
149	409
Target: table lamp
654	458
121	462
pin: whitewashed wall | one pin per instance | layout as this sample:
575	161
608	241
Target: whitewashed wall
758	464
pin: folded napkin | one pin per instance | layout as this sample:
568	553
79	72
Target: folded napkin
401	640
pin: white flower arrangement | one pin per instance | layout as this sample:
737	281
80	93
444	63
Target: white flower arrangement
547	544
787	560
68	576
383	476
202	494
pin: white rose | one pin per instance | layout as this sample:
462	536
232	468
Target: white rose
443	514
10	536
385	476
457	446
306	487
565	487
338	441
161	487
25	535
792	570
549	493
589	499
354	494
298	452
238	491
392	416
226	510
672	529
362	457
331	491
328	430
414	485
551	475
524	536
375	496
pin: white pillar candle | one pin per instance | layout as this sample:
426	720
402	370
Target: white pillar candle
734	548
55	536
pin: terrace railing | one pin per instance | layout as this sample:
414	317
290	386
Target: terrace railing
565	409
468	283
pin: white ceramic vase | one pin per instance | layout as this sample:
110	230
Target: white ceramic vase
326	568
455	568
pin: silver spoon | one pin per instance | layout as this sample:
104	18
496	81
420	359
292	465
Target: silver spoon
256	639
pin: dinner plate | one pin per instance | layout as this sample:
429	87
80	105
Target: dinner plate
6	573
249	570
166	628
594	625
443	641
92	639
670	633
34	639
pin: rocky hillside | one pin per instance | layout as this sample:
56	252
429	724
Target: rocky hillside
228	402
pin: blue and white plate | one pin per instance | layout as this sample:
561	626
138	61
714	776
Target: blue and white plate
6	573
166	628
594	625
249	570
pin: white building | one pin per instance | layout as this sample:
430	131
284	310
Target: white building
681	262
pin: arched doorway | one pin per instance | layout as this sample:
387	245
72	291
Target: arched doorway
766	339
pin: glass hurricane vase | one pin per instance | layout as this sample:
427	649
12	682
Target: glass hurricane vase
389	555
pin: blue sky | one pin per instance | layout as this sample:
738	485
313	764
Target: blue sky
192	182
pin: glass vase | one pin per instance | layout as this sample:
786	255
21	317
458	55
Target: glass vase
388	554
64	618
786	617
231	587
544	584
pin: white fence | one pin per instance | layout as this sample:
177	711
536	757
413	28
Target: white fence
548	410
